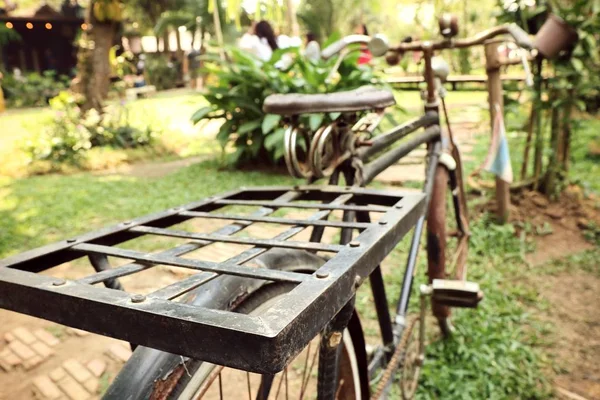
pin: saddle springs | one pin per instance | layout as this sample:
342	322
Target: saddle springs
315	155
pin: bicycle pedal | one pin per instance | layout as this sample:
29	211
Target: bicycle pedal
456	293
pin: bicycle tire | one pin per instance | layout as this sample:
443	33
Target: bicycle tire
180	383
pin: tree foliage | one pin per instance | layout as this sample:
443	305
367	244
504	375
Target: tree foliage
574	82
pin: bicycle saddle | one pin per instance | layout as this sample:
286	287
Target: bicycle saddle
361	99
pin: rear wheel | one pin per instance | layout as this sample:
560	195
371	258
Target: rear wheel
202	380
446	250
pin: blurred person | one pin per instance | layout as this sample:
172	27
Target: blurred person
312	51
262	41
365	55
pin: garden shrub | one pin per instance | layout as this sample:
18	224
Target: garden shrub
241	84
33	89
161	72
68	136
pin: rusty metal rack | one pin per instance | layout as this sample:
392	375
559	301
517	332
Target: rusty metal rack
261	343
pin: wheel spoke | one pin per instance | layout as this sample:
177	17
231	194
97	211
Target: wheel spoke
249	387
304	371
339	388
305	383
220	386
286	385
280	383
206	385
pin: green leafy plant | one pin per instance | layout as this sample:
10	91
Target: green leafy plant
70	133
123	64
243	82
161	72
8	35
33	89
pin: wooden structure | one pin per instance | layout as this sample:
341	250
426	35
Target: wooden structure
47	40
416	82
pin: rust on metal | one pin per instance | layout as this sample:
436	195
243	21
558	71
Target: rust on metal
164	387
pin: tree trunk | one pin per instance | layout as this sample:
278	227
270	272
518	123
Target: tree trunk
292	21
93	65
166	44
539	133
552	173
179	50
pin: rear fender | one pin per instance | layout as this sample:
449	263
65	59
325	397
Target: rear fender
145	375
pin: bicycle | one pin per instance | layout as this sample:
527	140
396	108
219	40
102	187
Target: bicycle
264	309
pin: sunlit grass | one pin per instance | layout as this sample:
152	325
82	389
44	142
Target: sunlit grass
167	112
38	210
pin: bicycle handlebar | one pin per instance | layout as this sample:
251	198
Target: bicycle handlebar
519	35
341	44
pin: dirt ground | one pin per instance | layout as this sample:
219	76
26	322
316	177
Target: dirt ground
573	297
574	301
558	226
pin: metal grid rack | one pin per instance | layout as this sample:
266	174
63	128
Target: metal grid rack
261	343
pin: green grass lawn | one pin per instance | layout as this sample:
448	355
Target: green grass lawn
167	112
42	209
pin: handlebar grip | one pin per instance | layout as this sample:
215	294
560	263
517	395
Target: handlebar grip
341	44
521	37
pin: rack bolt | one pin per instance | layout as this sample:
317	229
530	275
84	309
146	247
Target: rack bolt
59	282
322	275
127	223
335	339
72	240
137	298
357	281
381	222
398	206
354	243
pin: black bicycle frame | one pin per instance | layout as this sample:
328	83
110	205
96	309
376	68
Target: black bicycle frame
376	159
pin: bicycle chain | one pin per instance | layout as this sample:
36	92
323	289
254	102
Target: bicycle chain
398	356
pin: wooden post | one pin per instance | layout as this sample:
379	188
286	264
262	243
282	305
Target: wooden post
539	132
530	126
495	98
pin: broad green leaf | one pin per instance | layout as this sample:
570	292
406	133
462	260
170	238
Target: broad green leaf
224	133
248	126
278	153
201	114
315	121
270	122
237	156
274	139
332	39
577	64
